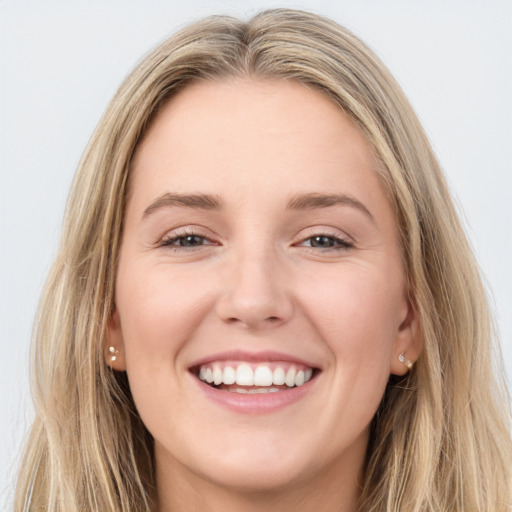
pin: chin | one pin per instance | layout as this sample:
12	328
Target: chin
262	466
249	479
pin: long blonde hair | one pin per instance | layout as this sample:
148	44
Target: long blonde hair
440	441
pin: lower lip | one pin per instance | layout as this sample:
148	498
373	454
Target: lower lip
257	403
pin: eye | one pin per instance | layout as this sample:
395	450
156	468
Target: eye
325	241
186	241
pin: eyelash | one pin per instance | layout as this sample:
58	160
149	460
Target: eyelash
170	242
339	244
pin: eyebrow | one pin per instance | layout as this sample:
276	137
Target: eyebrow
314	200
298	202
196	201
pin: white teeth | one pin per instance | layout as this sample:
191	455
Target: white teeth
244	375
262	376
290	377
278	377
229	376
217	375
259	391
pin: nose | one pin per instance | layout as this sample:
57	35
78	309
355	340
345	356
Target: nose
255	294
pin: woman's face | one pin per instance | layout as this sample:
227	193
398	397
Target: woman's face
258	244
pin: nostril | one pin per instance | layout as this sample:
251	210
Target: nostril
270	319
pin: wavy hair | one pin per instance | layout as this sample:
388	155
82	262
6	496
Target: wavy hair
440	441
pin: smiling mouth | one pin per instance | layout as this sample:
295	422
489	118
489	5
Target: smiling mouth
249	378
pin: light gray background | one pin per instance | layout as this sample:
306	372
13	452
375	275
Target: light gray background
61	61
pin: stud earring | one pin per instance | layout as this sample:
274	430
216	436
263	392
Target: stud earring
405	361
113	353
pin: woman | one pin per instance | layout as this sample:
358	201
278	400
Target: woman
263	298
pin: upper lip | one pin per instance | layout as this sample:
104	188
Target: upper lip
252	357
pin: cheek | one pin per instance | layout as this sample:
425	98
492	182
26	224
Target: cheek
356	310
352	310
159	311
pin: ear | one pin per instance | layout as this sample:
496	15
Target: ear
115	356
409	341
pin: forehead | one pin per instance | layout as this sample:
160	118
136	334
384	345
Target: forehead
252	135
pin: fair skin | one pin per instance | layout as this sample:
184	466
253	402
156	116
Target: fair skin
257	233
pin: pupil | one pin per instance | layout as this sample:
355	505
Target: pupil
322	241
191	240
